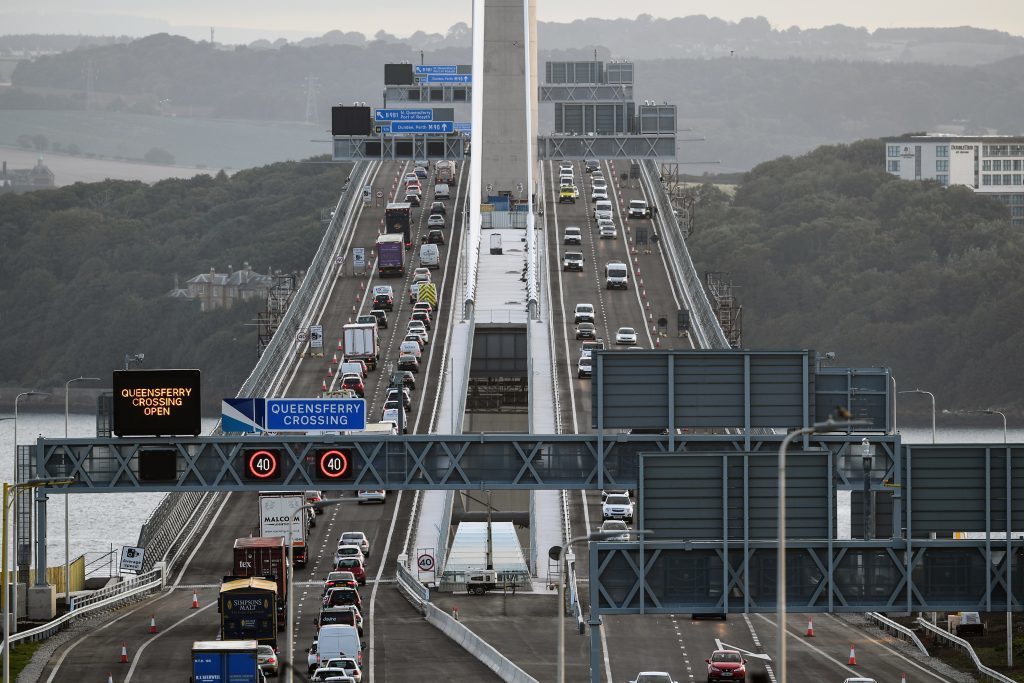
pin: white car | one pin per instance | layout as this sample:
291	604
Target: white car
418	328
348	551
603	214
613	525
565	165
617	507
585	366
435	220
379	496
625	335
421	275
652	677
348	664
607	229
584	313
599	183
614	492
598	193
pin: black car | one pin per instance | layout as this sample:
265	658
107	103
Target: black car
382	318
592	165
586	331
408	380
434	237
438	207
384	302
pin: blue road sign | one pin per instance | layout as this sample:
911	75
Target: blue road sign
242	415
449	78
463	127
315	414
422	127
380	115
426	69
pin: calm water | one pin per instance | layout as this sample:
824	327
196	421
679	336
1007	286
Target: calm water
98	521
101	521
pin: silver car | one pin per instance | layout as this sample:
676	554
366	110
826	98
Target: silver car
355	538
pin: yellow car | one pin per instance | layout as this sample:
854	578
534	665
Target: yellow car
566	195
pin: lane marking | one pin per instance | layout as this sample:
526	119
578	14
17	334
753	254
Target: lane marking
142	648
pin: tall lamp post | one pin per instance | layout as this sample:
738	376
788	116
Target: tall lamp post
14	597
290	620
67	514
595	536
932	396
829	425
8	489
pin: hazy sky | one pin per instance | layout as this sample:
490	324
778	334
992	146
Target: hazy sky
402	17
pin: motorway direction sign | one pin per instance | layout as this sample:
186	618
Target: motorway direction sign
422	127
315	414
382	115
448	78
463	127
427	69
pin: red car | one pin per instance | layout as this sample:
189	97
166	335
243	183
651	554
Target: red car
726	665
354	383
354	565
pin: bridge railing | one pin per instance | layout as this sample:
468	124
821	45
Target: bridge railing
898	630
110	597
963	645
703	320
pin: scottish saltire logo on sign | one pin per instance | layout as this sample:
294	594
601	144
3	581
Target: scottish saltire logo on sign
242	415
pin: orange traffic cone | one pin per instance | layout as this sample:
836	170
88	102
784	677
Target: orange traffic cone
110	677
195	600
323	385
124	653
152	624
339	345
853	656
334	360
810	627
330	373
903	678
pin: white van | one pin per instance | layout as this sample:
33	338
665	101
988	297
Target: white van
616	275
430	256
357	369
441	191
339	640
603	209
410	347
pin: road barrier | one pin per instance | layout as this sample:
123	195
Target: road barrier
959	642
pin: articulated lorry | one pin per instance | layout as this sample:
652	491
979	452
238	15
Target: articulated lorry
360	343
444	172
264	558
248	610
225	661
276	511
397	217
390	256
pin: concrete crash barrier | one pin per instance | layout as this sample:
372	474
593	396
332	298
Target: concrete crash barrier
476	646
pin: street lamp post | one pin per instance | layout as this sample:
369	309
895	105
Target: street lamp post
67	500
595	536
14	541
289	622
932	396
828	425
7	489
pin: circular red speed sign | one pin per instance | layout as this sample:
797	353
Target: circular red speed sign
262	464
334	463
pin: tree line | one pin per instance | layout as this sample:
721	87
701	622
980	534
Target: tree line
832	253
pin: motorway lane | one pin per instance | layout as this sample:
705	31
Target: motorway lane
168	658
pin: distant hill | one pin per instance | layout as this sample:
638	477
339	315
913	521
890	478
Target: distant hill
748	91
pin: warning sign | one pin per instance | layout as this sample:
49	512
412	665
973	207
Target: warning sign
428	293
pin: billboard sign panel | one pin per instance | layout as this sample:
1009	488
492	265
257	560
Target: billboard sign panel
315	414
157	403
276	513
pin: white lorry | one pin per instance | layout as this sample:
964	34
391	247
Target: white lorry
276	510
361	343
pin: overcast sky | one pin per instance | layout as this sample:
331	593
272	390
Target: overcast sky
266	19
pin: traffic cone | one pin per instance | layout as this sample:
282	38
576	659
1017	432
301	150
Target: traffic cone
334	360
323	387
124	653
810	627
110	677
330	373
853	656
152	623
340	348
195	596
903	678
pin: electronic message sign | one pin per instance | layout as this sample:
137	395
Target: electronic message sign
157	403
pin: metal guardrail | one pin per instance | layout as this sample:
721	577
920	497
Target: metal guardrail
410	585
959	642
164	530
108	597
898	630
702	316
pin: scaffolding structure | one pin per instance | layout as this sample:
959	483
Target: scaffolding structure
279	296
727	309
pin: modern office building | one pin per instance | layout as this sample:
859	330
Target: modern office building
989	164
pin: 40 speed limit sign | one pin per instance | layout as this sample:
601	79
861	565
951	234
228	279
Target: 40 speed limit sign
425	562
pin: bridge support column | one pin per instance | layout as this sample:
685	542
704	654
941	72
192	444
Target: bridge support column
41	598
40	538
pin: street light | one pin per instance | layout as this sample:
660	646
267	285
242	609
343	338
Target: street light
8	488
595	536
290	624
829	425
930	394
14	598
67	500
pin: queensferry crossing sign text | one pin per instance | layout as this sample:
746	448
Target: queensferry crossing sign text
296	414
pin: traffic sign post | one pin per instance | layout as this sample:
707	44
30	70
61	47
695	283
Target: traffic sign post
358	260
131	558
262	464
334	464
425	562
315	414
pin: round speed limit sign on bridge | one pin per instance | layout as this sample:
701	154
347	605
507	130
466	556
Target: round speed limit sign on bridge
425	562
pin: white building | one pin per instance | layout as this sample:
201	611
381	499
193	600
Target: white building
989	164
